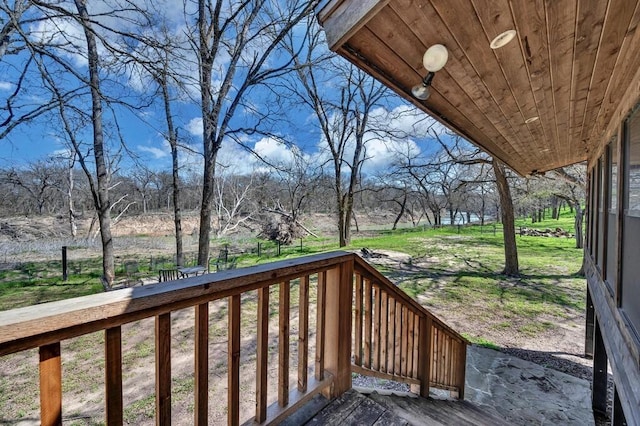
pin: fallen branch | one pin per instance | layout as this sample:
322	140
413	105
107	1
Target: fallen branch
285	214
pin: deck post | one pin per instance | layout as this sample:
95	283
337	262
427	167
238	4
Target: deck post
424	353
599	388
618	418
590	322
337	351
461	368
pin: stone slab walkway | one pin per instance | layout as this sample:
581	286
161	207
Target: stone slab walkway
525	393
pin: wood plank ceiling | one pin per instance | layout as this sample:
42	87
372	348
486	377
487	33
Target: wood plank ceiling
574	64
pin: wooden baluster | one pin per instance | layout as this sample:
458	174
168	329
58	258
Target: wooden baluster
376	328
384	331
441	356
201	365
461	368
424	352
357	356
436	355
442	360
416	346
404	341
391	337
262	355
367	323
113	375
321	325
50	385
452	365
397	366
409	351
233	395
283	344
163	369
303	334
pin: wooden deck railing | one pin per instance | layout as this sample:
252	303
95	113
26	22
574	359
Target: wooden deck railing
394	336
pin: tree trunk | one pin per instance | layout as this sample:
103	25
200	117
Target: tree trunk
347	213
403	206
209	129
102	201
578	225
72	215
206	211
342	237
355	220
508	222
173	143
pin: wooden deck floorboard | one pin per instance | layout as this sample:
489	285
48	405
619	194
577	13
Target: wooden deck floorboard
354	408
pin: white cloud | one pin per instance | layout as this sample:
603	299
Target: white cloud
235	160
5	85
383	154
194	126
65	33
157	153
273	151
407	121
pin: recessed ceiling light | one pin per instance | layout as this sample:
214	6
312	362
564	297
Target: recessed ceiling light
502	39
531	119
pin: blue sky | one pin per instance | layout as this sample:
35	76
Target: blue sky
142	129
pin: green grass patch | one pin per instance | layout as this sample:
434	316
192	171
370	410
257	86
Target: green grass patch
481	341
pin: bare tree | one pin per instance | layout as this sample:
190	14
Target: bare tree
343	116
573	191
40	181
152	61
234	45
454	151
233	204
66	70
511	265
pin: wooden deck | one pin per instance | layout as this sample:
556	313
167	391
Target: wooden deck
355	408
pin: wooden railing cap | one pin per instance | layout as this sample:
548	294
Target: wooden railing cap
33	326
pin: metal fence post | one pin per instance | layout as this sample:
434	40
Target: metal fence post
65	275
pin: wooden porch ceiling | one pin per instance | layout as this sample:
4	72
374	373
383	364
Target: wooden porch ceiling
574	64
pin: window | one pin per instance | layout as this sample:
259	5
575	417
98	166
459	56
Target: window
630	286
589	213
612	221
613	175
633	161
595	174
601	218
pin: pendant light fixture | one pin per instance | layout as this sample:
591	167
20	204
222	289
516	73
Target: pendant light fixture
434	59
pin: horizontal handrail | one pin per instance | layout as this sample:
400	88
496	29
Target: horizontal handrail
39	325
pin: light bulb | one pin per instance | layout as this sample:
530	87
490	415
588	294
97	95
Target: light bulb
421	91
